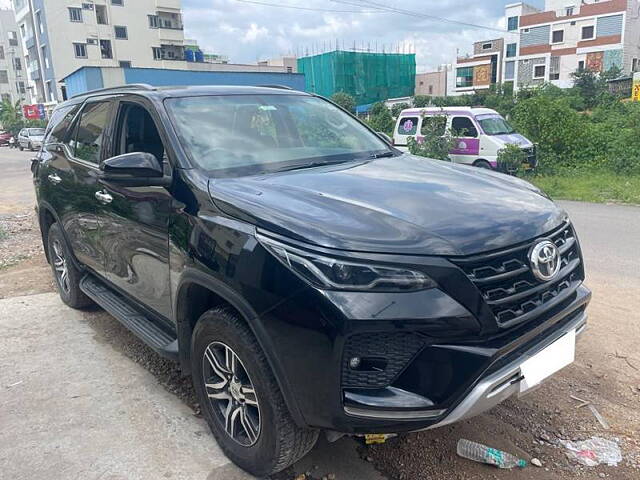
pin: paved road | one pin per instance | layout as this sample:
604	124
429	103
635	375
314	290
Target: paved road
16	189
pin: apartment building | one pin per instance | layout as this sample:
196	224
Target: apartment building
13	72
549	45
433	84
480	69
61	36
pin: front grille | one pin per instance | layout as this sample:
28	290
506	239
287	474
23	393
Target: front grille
530	152
383	355
508	286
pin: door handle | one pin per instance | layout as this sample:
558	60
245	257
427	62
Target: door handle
55	179
104	197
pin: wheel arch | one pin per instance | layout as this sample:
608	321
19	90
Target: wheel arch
197	293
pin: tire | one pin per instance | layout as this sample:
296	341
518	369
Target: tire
276	441
67	276
21	148
483	164
30	147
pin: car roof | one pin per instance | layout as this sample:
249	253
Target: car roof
160	93
449	111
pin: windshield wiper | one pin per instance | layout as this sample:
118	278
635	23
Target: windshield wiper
309	165
383	155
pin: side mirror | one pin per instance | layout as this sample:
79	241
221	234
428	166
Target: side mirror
385	137
135	169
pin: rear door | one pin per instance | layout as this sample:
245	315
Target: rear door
136	222
407	126
70	180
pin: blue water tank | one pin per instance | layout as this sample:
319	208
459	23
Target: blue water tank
189	56
199	56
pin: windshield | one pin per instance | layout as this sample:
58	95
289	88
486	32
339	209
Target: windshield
250	134
36	132
495	125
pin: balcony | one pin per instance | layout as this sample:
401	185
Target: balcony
34	71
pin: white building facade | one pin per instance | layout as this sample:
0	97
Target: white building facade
61	36
13	70
549	45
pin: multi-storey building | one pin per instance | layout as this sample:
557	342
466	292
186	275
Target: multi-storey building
481	69
568	35
13	76
433	84
61	36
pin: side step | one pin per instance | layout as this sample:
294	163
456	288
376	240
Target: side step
145	328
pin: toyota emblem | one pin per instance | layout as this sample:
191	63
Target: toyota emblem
545	260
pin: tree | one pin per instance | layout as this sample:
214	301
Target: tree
12	120
380	119
398	108
421	101
345	100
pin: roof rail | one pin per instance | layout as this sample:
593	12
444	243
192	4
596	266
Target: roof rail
281	87
130	86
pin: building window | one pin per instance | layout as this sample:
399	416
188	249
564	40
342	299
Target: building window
634	65
509	70
588	32
80	50
289	69
568	11
1	52
157	53
6	97
125	63
119	3
21	88
539	71
92	41
554	76
154	21
512	23
4	76
557	36
464	77
105	49
101	15
45	57
13	38
430	89
75	14
17	64
512	49
487	46
39	22
121	32
581	65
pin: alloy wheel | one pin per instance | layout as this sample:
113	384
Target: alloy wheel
231	393
60	267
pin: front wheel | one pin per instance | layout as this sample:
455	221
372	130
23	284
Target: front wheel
240	397
21	148
483	164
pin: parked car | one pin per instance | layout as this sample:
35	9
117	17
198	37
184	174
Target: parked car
484	132
309	276
4	138
30	138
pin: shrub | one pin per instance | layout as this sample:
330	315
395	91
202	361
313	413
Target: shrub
345	100
435	142
510	159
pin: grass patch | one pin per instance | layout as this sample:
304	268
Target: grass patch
599	187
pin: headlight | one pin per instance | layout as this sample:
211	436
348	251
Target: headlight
330	273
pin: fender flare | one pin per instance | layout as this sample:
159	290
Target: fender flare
43	207
184	331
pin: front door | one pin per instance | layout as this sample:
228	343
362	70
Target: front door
135	234
467	147
71	157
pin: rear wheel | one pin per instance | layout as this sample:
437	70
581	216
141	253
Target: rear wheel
240	397
67	276
483	164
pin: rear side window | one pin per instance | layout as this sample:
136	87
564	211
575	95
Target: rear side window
408	126
434	125
60	123
90	132
464	127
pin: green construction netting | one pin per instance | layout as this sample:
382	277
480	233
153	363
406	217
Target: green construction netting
368	77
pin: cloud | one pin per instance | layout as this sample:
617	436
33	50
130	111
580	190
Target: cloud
248	32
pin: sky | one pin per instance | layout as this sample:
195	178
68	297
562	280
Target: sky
247	32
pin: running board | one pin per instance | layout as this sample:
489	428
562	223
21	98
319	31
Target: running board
145	328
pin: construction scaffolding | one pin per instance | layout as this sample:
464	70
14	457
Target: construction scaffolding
368	77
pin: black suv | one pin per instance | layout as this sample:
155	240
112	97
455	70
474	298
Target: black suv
308	275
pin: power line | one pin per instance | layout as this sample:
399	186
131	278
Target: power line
294	7
411	13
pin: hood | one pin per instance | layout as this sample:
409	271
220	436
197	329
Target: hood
36	138
514	138
406	204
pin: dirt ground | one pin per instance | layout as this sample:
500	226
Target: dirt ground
605	374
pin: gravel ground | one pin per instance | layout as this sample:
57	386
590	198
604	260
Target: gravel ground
19	238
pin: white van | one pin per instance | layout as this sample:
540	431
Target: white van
485	134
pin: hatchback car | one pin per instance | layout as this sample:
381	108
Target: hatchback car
307	275
30	138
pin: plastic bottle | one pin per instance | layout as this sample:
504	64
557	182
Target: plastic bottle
491	456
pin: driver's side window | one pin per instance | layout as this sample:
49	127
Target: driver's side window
137	132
